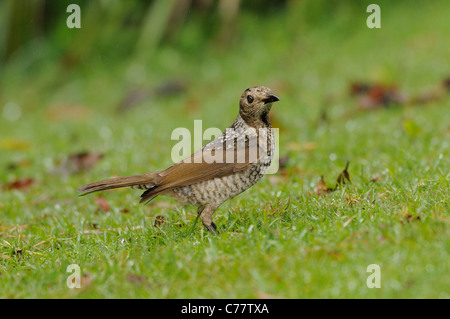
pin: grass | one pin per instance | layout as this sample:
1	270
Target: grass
278	239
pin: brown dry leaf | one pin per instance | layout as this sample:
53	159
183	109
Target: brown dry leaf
159	220
102	204
77	163
322	187
410	218
375	96
344	177
376	178
19	184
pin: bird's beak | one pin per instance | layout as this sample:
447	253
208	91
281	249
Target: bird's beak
271	98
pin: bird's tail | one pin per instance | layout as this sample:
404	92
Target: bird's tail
145	180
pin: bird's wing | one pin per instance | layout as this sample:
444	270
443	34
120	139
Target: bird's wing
228	154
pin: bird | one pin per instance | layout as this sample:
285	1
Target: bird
225	167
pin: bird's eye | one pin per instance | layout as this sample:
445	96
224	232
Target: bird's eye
249	99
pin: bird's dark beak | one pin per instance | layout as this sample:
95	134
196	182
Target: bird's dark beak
271	98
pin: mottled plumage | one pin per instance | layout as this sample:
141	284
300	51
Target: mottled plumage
224	167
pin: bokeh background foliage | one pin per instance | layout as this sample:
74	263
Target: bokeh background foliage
78	105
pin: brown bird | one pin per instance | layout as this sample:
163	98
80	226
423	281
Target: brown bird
222	169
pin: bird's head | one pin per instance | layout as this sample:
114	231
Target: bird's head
255	104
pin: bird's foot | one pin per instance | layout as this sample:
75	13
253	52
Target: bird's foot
212	228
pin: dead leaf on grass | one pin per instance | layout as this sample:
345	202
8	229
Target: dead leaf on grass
374	96
322	187
159	220
21	184
102	204
376	178
77	163
344	177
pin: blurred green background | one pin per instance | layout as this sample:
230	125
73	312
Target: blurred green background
79	105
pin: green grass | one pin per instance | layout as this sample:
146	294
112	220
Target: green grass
278	238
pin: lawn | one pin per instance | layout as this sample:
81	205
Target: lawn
289	236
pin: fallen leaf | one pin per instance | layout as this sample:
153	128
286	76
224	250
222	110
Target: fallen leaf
344	177
374	96
159	220
77	163
322	187
376	178
19	184
102	204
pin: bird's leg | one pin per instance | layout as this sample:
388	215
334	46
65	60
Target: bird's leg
206	213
